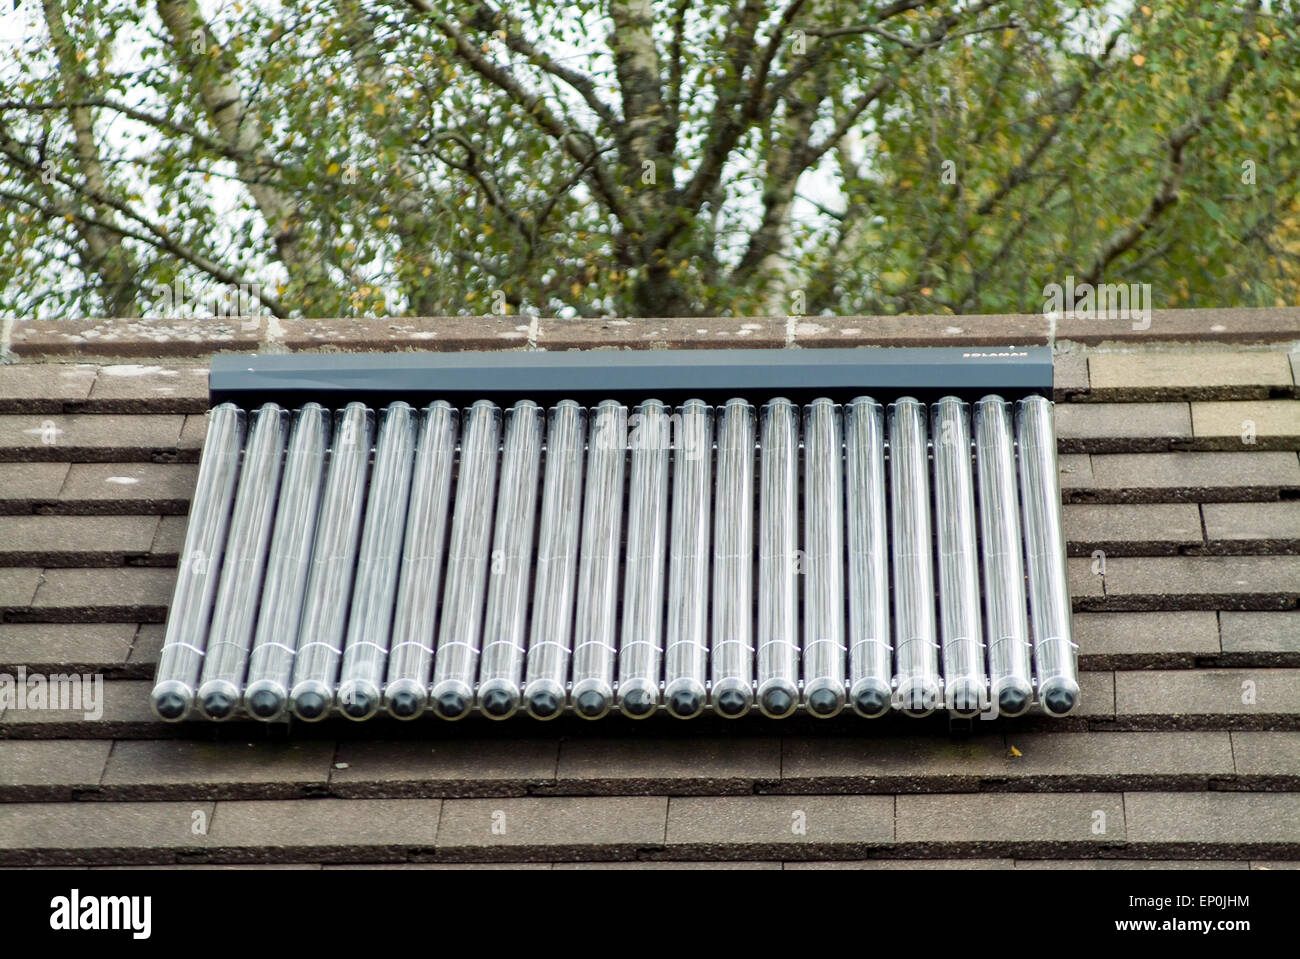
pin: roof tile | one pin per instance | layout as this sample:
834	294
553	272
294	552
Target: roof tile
1051	821
909	864
1266	527
154	338
1135	864
1236	325
50	771
441	333
1255	425
80	832
1056	761
150	388
552	828
1272	758
1186	476
760	827
148	488
1260	632
25	485
1071	376
1148	375
677	332
18	587
174	769
42	387
1145	638
1235	820
443	767
123	707
668	766
104	595
1201	582
76	540
1132	529
1121	427
1075	470
87	437
1244	693
90	646
335	829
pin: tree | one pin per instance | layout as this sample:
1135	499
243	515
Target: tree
633	157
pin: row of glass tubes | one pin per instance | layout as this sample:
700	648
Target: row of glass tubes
320	590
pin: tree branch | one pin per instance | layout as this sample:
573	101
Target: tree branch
1166	194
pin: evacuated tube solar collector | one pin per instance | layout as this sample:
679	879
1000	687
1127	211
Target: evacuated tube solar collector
724	536
410	655
270	665
640	655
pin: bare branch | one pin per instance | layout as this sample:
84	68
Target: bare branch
569	139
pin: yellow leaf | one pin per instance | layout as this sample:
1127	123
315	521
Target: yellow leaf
383	222
332	169
379	109
487	229
1138	59
1146	11
1016	752
576	290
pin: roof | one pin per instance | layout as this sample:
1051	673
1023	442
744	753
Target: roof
1186	746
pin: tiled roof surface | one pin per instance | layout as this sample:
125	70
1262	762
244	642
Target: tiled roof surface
1186	747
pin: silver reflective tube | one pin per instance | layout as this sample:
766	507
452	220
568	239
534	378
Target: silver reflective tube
732	642
965	692
916	680
410	654
778	565
235	610
200	565
870	659
1004	570
1049	592
640	651
270	666
501	665
686	650
823	527
365	652
595	624
455	663
334	556
557	562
